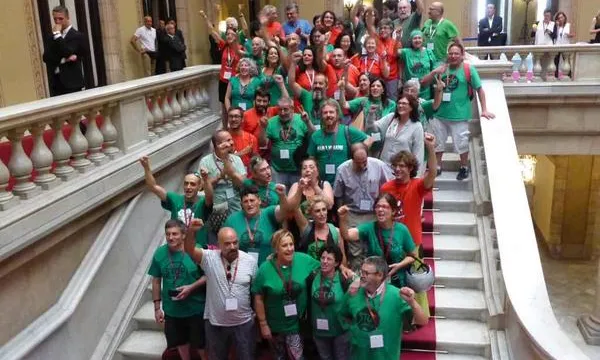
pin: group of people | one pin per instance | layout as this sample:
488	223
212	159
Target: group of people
306	216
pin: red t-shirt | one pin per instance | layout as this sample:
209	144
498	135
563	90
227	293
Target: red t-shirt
334	75
275	29
410	199
229	61
365	65
391	47
251	120
333	35
241	141
306	78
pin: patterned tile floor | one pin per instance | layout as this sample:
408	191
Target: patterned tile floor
564	278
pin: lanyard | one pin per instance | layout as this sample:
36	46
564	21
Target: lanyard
187	219
385	248
251	233
333	144
267	201
317	238
372	312
176	272
368	71
285	133
363	185
231	281
287	285
322	302
310	80
433	31
230	57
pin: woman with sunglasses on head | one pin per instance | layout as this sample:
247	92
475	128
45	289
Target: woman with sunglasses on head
280	296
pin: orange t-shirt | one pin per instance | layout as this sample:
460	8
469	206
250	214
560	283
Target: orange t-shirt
334	75
229	61
333	35
391	47
410	199
365	65
242	140
275	29
306	78
251	120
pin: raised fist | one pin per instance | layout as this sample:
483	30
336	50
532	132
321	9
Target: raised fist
196	224
280	189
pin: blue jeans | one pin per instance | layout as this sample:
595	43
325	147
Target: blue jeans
285	178
220	338
334	348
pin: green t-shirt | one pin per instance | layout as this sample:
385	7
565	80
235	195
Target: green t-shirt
426	112
175	270
272	87
364	104
439	34
417	64
400	245
327	306
262	226
458	108
282	151
259	60
311	107
269	284
332	149
175	203
312	247
412	22
393	311
243	96
268	195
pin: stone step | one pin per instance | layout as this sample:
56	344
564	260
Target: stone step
462	337
144	345
456	247
144	317
458	274
458	357
454	200
454	223
462	304
447	181
450	162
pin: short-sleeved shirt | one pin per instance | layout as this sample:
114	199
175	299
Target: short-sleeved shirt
311	245
393	311
241	141
218	288
391	47
364	104
251	122
417	64
177	269
370	66
459	107
261	227
304	26
334	75
439	34
306	78
285	140
410	198
184	211
408	137
412	22
311	107
327	297
147	37
398	242
270	285
332	149
267	194
229	61
275	29
224	191
243	96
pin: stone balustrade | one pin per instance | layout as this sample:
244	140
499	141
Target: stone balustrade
52	141
531	63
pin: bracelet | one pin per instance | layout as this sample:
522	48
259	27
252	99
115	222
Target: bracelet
155	301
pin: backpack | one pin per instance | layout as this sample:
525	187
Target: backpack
467	70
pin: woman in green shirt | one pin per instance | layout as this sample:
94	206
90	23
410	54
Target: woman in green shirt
280	296
384	237
274	60
418	61
241	88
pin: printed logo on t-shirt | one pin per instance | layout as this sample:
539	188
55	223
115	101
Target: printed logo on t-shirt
400	212
176	269
314	249
330	148
259	238
291	136
451	82
185	215
364	321
328	296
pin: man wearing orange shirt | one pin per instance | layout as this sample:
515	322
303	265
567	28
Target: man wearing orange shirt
244	143
261	112
409	190
336	70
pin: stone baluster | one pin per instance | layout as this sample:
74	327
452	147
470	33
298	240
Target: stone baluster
61	150
523	67
199	100
79	146
176	107
149	119
551	68
95	139
158	117
191	103
20	166
167	112
109	132
7	199
589	324
42	159
185	106
205	99
565	67
191	95
537	67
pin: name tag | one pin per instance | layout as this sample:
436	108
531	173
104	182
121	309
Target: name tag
284	154
229	193
253	253
322	324
376	136
430	46
336	95
227	75
366	205
446	96
376	341
317	127
243	105
231	304
290	310
330	169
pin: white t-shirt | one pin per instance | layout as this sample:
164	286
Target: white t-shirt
218	288
562	34
147	37
541	38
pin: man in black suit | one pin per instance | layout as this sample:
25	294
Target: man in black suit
490	28
174	47
63	53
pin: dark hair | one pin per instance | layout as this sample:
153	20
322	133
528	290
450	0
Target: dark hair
456	44
262	92
391	5
267	56
384	96
312	34
414	104
61	9
408	159
547	11
315	18
390	199
338	43
235	108
215	137
315	63
335	251
254	28
249	190
328	12
563	14
386	22
171	223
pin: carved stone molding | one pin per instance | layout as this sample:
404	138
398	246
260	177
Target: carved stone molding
111	39
35	53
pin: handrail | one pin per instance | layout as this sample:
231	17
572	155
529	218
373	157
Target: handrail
534	48
519	254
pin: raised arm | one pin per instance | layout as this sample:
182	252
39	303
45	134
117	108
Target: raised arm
229	170
283	210
420	7
281	84
342	88
348	233
243	23
151	181
228	97
296	88
190	240
211	28
208	187
429	178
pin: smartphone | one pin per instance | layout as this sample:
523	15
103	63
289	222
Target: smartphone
174	293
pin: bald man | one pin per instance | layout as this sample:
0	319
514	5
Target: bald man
228	312
357	186
438	31
144	42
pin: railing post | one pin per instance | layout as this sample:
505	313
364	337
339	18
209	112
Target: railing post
7	200
109	132
185	106
79	145
95	139
42	159
589	324
191	99
167	112
176	107
150	120
158	116
551	68
20	167
131	124
62	151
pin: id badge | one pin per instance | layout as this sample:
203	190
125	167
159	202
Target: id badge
446	96
253	253
227	75
290	310
243	105
376	136
323	324
231	304
284	154
376	341
229	193
317	127
366	205
336	95
430	46
330	169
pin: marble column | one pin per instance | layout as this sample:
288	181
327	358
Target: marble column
111	40
589	324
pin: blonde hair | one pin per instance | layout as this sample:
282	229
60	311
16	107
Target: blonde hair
278	237
315	200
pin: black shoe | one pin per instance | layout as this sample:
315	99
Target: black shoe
439	172
463	174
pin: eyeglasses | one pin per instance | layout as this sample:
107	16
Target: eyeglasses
228	274
382	206
363	272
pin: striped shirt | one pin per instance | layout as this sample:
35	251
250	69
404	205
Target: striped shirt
218	288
